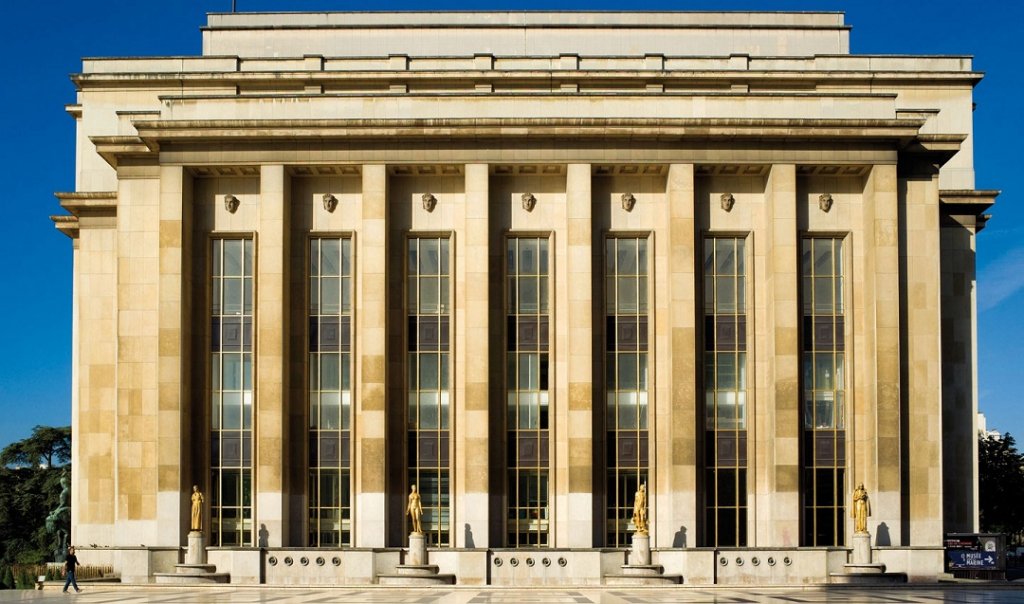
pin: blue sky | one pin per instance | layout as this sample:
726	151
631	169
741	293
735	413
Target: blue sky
40	44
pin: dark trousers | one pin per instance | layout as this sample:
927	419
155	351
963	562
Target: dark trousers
71	581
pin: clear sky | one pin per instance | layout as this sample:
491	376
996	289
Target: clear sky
40	44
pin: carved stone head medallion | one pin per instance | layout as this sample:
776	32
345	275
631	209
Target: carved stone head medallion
330	202
429	202
825	202
231	203
728	201
529	202
628	201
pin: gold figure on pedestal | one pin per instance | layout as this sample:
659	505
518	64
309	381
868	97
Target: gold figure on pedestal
640	511
861	509
197	509
415	511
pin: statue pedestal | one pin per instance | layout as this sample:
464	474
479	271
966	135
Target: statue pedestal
860	570
639	570
195	570
862	548
417	550
196	553
414	570
641	553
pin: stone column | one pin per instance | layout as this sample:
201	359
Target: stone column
271	342
579	513
174	470
776	459
472	371
920	264
675	522
371	313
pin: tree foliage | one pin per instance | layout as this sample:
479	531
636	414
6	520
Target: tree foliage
46	445
1001	486
29	489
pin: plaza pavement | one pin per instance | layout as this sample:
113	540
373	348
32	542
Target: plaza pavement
931	594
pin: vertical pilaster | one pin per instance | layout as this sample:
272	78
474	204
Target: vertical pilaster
920	256
370	385
173	468
137	348
471	366
676	520
959	375
777	353
271	354
880	196
579	513
93	492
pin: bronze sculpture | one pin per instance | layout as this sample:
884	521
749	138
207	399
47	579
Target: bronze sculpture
640	511
415	511
861	509
197	509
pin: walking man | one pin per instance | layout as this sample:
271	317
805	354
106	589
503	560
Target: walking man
69	569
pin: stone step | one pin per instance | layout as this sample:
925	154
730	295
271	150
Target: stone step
869	578
643	579
195	569
642	570
416	570
416	579
176	579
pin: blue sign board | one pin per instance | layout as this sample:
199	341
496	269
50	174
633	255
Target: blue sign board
975	551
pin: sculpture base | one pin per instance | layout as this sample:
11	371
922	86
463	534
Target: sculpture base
640	571
861	548
417	554
196	552
415	570
195	570
640	555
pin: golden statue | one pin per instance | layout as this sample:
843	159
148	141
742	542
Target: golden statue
415	511
861	509
640	510
197	509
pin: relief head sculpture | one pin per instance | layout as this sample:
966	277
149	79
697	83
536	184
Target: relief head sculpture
728	201
330	202
231	203
529	202
628	201
429	202
825	202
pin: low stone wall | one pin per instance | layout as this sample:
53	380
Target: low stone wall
518	567
133	564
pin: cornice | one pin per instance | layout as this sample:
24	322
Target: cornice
67	225
641	77
967	207
88	203
153	132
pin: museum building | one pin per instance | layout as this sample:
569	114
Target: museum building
527	262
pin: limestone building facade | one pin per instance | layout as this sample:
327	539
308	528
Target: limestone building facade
527	262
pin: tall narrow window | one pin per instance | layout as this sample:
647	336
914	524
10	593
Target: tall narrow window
625	380
725	393
330	392
823	409
231	392
526	382
429	323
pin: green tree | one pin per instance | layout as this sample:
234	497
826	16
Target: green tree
46	445
29	489
1001	486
